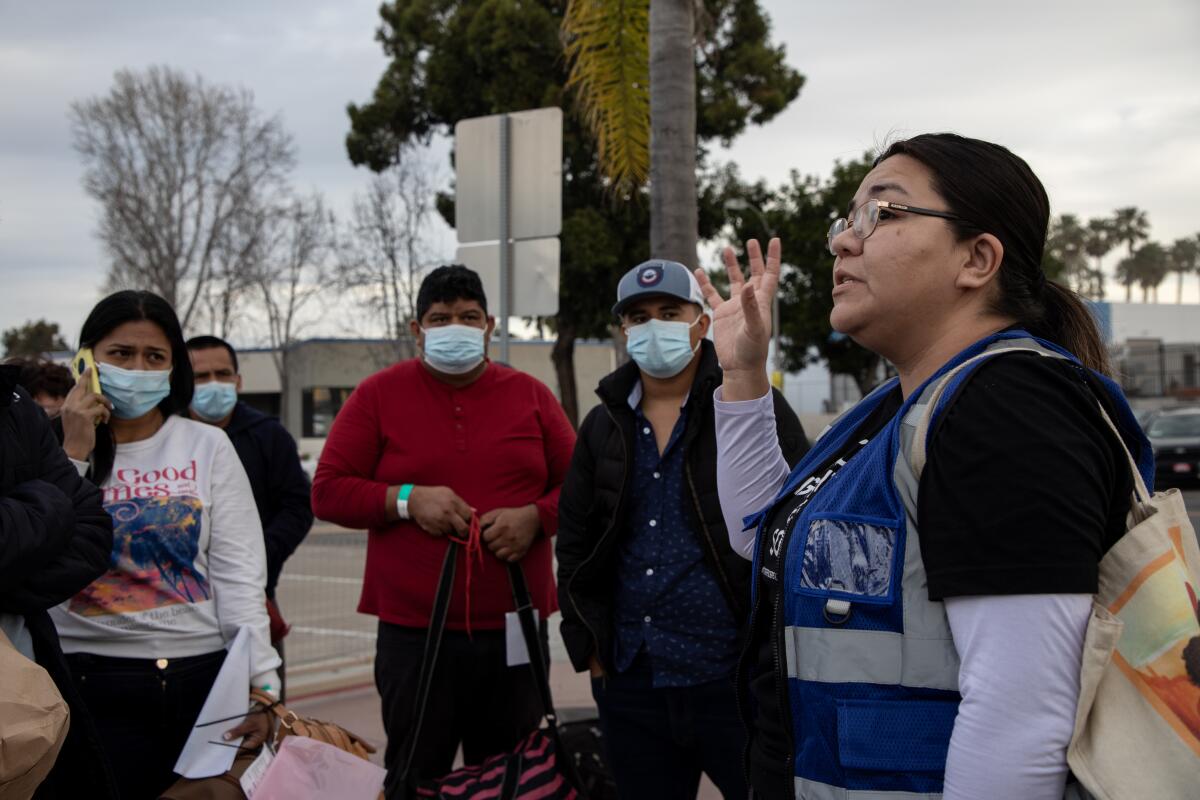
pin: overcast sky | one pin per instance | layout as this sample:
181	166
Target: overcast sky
1100	97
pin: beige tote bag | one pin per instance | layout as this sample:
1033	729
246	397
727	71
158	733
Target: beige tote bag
1137	727
33	723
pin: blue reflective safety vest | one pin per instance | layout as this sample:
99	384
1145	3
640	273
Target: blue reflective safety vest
871	667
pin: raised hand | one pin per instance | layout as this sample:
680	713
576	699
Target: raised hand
742	323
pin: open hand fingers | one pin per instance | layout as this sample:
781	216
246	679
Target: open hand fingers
755	256
773	265
734	270
711	295
755	325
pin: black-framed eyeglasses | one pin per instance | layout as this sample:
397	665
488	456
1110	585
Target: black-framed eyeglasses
866	217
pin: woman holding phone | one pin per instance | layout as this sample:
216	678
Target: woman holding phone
146	640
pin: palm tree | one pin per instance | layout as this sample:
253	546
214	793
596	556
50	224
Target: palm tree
1150	265
1130	226
1127	276
674	215
633	70
1183	258
608	47
1066	242
1098	244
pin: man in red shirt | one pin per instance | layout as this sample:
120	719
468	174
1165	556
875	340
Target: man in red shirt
416	451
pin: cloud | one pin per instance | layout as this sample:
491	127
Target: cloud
1099	97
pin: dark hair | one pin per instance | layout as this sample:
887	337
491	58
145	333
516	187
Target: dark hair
995	191
447	284
43	377
133	306
211	342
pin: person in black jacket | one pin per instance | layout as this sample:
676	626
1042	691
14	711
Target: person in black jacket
268	453
55	539
653	597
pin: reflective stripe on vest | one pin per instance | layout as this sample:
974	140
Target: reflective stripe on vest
839	655
814	790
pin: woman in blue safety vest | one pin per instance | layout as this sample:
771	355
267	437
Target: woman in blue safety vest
923	578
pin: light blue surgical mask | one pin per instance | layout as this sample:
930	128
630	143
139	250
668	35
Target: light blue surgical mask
454	349
134	392
214	400
662	349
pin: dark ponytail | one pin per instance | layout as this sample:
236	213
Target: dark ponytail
988	183
134	306
1067	321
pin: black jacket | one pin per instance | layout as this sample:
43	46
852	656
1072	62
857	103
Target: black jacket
281	487
594	503
55	539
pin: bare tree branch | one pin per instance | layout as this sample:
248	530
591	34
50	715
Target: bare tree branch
384	251
179	168
298	265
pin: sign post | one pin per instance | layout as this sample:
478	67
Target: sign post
508	209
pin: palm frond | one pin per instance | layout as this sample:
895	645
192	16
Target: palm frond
607	44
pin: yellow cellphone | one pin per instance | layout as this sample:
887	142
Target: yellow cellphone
81	362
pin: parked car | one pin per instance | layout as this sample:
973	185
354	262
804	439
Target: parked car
1175	434
1145	416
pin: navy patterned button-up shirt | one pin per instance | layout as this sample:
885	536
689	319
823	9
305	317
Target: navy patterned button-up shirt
668	600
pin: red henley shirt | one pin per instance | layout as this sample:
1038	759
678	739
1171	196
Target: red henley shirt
501	442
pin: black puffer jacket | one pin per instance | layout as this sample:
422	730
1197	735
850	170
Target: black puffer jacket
281	488
594	504
55	539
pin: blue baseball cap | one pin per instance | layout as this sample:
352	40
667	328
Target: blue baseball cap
657	277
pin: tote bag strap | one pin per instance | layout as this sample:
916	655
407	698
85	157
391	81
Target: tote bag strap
533	640
1139	501
433	643
564	761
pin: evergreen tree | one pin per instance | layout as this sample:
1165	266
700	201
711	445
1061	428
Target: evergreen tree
455	59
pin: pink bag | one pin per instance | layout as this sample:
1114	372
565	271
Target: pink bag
305	769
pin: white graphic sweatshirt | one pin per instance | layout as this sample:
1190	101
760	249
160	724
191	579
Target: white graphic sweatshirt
188	565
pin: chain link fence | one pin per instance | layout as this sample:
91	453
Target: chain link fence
318	595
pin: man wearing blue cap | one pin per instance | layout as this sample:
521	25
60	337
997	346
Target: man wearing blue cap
652	595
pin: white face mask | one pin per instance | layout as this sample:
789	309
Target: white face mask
454	349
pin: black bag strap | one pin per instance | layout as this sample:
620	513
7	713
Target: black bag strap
533	641
433	643
537	662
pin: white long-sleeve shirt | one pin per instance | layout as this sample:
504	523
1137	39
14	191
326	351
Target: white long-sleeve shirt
188	565
1019	655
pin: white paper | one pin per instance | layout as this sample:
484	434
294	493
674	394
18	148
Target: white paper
514	638
206	753
255	772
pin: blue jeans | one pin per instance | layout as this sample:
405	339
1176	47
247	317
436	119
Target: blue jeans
658	741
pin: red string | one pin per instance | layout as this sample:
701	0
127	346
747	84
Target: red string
473	545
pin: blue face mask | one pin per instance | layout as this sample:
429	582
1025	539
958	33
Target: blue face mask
662	349
453	349
214	400
134	392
